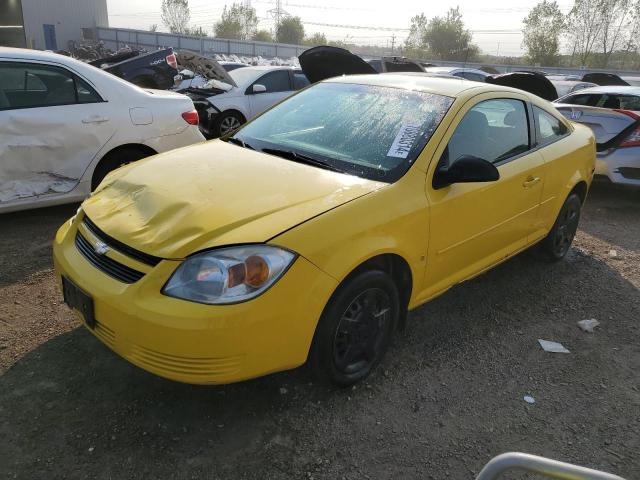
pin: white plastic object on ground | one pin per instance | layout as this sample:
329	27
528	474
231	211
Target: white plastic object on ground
588	325
552	347
529	399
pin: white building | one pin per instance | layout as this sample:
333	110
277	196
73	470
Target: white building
52	24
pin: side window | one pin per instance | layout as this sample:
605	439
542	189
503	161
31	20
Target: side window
376	64
476	77
27	85
86	94
494	130
277	81
625	102
299	80
550	128
583	99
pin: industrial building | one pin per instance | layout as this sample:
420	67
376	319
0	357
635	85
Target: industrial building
49	24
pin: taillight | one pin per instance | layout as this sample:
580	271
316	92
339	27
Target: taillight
171	61
191	117
633	138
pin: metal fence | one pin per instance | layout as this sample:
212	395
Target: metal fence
115	38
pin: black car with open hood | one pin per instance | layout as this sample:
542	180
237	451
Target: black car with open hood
531	82
320	63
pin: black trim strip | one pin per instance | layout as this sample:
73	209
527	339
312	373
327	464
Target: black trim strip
121	247
105	264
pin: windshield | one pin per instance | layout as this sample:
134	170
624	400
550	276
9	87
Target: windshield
369	131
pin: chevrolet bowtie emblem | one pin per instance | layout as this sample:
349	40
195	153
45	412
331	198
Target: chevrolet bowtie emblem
100	248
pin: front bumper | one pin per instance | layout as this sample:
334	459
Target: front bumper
191	342
620	165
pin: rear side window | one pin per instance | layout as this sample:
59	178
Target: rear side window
625	102
494	130
476	77
27	85
549	127
587	99
277	81
299	80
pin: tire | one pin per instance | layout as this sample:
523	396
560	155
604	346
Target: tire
115	160
557	243
355	329
225	123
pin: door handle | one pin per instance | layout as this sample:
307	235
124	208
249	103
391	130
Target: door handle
530	181
95	119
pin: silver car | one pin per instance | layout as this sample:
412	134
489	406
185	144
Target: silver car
613	113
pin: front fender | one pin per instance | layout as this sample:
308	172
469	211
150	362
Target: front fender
392	220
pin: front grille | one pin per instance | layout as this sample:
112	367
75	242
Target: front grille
121	247
630	172
105	264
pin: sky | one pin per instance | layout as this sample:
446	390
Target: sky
496	25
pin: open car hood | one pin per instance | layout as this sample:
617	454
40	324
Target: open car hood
603	79
320	63
207	67
528	81
213	194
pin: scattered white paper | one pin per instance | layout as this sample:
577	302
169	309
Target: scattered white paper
553	347
613	254
588	325
529	399
403	142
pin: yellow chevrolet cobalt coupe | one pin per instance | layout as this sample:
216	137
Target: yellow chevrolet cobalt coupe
308	234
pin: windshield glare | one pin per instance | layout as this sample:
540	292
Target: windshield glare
369	131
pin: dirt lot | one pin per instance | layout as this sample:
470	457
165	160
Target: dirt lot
448	397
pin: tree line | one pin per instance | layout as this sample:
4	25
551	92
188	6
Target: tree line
594	33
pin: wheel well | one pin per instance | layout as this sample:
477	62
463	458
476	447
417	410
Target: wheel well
232	110
111	155
581	190
398	269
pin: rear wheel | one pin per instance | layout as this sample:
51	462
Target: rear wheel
113	160
356	328
557	243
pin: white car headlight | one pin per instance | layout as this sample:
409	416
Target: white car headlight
228	275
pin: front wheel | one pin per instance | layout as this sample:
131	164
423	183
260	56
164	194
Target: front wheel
557	243
356	328
226	122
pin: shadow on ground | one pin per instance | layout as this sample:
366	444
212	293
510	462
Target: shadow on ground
26	240
448	397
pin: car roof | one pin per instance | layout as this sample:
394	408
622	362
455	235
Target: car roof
615	89
450	87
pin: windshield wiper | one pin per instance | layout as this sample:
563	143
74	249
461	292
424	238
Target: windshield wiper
302	158
241	143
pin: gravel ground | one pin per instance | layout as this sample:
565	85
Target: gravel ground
447	398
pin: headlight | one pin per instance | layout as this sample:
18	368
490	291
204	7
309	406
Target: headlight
228	275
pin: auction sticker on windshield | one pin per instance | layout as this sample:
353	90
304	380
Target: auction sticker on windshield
403	142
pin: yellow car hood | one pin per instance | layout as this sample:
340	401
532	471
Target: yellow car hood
213	194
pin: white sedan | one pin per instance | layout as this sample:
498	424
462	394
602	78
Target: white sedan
226	102
65	124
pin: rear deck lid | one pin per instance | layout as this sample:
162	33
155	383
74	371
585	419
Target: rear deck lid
608	126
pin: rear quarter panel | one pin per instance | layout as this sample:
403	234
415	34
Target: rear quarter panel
569	161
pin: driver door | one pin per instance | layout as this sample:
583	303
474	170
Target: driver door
278	87
476	225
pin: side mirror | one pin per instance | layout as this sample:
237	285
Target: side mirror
257	88
466	169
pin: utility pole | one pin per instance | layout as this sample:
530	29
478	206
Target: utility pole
498	52
277	13
393	43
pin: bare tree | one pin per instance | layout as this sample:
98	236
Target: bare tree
616	14
584	26
175	15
